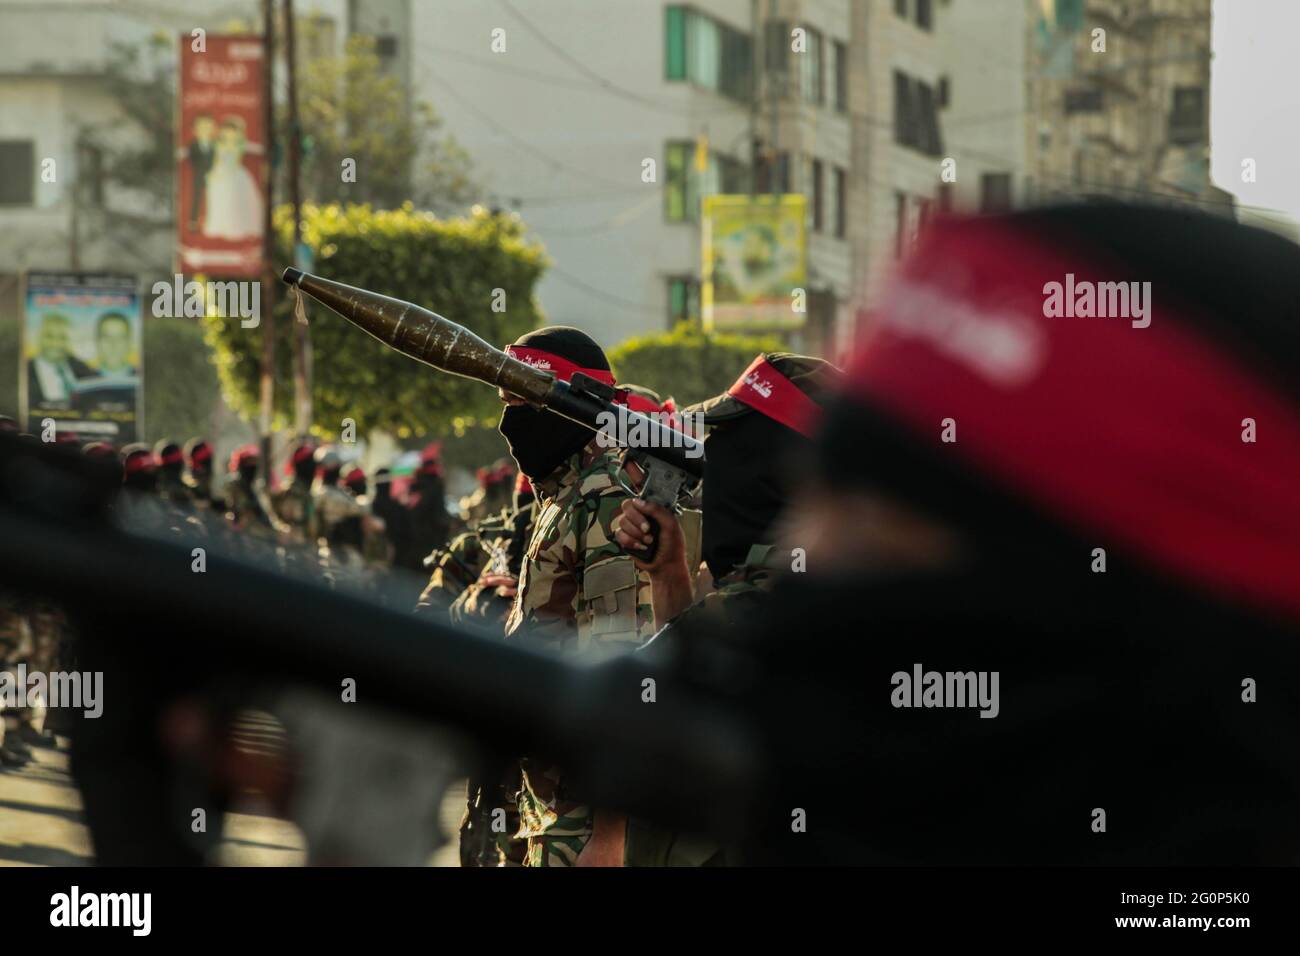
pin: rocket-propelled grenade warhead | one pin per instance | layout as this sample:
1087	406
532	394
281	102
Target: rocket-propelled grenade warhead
426	336
429	338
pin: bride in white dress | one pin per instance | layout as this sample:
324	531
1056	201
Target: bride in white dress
234	204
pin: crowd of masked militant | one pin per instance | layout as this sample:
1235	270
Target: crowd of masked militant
1099	516
1082	507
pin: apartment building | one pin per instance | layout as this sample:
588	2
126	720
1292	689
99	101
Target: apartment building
61	204
1120	92
561	103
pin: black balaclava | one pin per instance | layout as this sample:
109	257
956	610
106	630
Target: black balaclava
248	471
745	486
540	441
305	470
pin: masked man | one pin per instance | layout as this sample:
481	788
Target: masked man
577	591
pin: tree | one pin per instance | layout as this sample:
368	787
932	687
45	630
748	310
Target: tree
462	268
687	364
115	160
180	383
351	110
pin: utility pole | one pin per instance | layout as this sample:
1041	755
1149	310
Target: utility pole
775	94
268	245
302	410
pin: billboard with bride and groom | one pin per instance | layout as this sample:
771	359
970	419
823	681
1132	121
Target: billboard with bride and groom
221	156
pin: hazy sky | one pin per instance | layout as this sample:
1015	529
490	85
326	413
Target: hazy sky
1255	101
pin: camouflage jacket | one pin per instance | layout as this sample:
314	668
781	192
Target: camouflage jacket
743	583
294	507
501	547
247	507
456	567
330	507
578	593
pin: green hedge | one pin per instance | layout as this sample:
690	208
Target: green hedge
450	266
687	364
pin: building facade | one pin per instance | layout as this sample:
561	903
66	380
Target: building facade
1120	91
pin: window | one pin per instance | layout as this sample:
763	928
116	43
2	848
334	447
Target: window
839	201
763	173
91	174
840	71
702	50
732	174
916	116
683	299
737	71
386	46
1187	118
995	192
924	14
815	194
776	36
942	92
900	7
679	192
17	172
684	184
900	224
1084	100
813	79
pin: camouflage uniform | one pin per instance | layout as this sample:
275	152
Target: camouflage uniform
496	546
487	499
247	506
172	490
578	593
337	518
501	547
294	508
457	566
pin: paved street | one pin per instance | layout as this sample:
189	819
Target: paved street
41	823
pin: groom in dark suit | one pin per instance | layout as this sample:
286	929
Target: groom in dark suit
201	154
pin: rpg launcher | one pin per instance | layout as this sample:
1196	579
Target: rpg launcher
672	461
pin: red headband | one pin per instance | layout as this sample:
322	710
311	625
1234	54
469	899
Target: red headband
242	454
766	390
139	461
637	403
550	362
200	454
1133	431
174	457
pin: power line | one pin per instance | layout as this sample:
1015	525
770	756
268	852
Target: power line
514	137
601	81
600	293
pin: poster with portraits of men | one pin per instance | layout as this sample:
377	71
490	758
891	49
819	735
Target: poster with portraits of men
82	352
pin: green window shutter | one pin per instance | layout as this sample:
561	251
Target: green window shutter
674	43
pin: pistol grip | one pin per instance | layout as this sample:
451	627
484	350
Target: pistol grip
647	553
